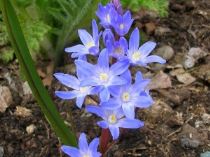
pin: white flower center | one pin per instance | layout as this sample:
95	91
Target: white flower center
122	26
83	89
136	56
108	19
104	77
125	96
112	119
90	44
86	155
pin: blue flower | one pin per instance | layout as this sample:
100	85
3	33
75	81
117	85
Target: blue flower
122	23
90	43
114	119
118	6
78	92
116	49
101	76
106	14
84	150
140	55
130	95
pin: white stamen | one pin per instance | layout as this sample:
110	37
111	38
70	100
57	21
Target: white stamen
122	26
108	19
125	96
103	77
136	56
90	44
112	119
83	89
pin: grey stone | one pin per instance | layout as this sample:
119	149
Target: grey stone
166	52
206	154
1	151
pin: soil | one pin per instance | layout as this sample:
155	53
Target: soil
177	125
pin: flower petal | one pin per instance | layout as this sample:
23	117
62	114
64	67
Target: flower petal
123	42
94	145
115	131
103	59
67	80
66	94
96	110
111	104
80	101
127	76
95	29
108	36
96	154
84	69
134	40
103	124
129	110
144	102
89	82
114	90
120	67
104	95
77	48
118	81
130	123
147	48
83	144
70	151
154	58
85	37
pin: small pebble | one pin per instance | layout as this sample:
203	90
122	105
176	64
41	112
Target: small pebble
26	89
157	81
193	56
160	31
206	154
166	52
30	129
206	118
5	98
189	143
1	151
185	78
22	112
150	27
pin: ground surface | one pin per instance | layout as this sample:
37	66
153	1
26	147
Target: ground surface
177	125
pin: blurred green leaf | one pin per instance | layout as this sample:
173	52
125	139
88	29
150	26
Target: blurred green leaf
68	17
159	6
27	66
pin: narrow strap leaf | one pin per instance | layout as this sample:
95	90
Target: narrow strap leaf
27	65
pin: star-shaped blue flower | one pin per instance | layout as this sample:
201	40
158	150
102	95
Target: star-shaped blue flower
101	76
106	14
84	150
130	96
90	43
116	49
79	92
140	55
122	23
114	119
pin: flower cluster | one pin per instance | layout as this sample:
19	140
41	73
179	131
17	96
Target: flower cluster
110	78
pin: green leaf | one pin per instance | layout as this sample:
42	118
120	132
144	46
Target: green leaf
27	66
